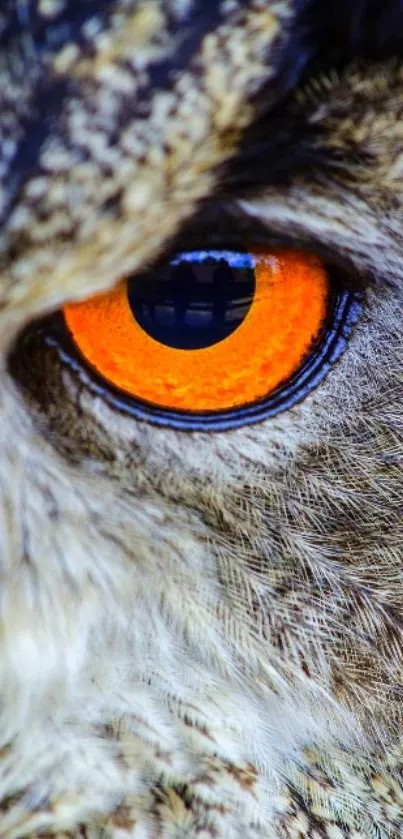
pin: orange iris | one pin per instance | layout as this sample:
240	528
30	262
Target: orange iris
283	322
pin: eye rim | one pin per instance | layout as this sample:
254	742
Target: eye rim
344	310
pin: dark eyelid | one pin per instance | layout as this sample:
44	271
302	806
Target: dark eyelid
225	226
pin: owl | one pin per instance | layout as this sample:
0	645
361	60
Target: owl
201	285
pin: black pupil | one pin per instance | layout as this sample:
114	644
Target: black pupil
194	301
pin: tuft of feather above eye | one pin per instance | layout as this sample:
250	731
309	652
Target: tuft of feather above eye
351	28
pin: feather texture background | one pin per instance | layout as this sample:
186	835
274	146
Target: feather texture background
200	634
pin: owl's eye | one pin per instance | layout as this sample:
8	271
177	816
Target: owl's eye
214	338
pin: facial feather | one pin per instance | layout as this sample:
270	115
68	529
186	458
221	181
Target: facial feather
200	632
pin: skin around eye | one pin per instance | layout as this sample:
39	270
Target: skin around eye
208	351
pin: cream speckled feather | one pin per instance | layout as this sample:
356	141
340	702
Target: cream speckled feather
200	633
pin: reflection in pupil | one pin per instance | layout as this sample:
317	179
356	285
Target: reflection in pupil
195	301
